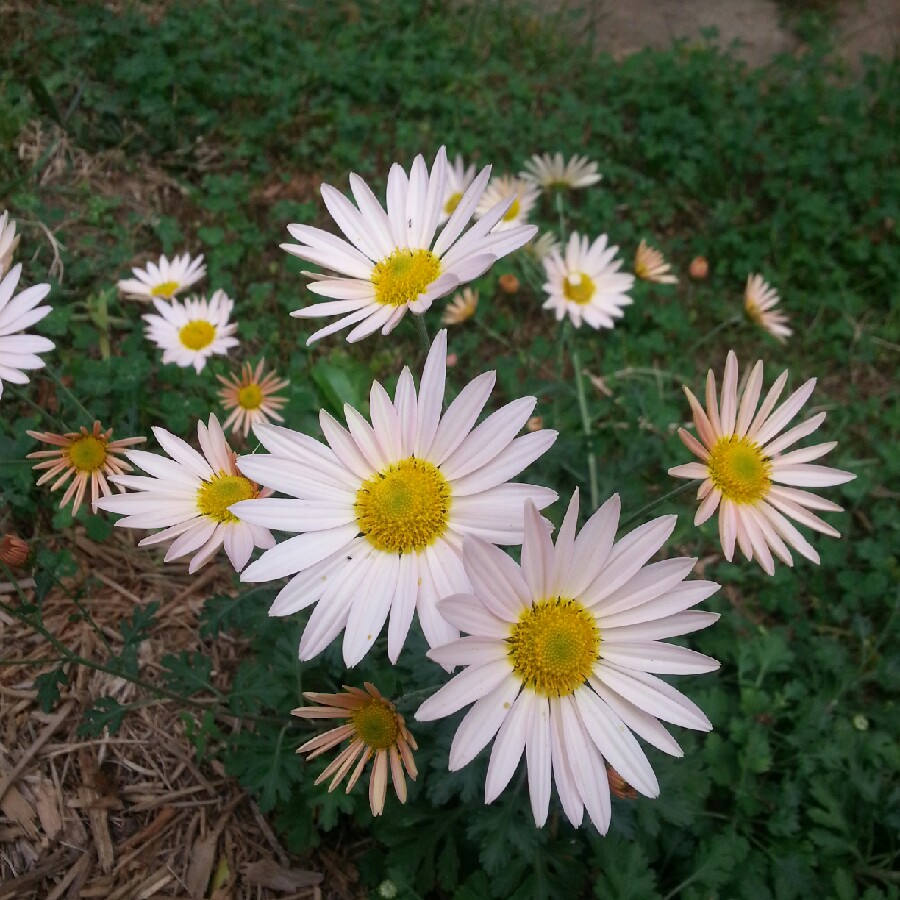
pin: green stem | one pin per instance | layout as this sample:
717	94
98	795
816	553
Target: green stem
57	423
709	334
585	424
423	332
561	213
673	493
58	381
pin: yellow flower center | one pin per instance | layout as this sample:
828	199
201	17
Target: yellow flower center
554	646
579	289
87	454
641	268
513	211
166	289
404	275
250	396
739	469
197	334
376	724
403	508
452	203
754	313
216	495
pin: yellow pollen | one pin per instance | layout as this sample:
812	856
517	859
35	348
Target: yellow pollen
754	313
166	289
403	508
554	646
739	469
197	334
580	291
641	270
87	454
513	211
376	724
216	495
250	396
404	275
452	203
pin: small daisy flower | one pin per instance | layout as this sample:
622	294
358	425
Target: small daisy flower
88	455
18	352
561	658
542	246
760	301
461	308
746	474
381	510
394	262
9	240
374	728
501	188
585	283
190	333
459	177
650	265
189	496
164	280
251	397
554	172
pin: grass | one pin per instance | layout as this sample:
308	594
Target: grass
215	129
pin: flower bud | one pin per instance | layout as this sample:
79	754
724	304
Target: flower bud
13	551
699	268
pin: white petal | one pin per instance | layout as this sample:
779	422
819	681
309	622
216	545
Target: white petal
470	685
481	723
658	657
299	553
508	745
370	609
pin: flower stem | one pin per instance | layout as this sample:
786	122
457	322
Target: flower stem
585	423
58	381
712	333
668	496
423	332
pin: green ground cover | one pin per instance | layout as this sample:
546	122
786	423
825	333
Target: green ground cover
129	130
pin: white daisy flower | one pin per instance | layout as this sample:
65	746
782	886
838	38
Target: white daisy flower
459	177
747	475
393	261
165	279
553	171
9	240
18	352
585	283
523	195
542	246
760	300
562	655
382	509
190	333
189	496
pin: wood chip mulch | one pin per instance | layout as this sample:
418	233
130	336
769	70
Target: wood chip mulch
132	815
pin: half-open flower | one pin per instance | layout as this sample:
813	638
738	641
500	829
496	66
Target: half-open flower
760	301
165	279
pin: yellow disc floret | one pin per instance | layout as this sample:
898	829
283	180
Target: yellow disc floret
739	469
88	453
579	289
404	275
166	289
376	724
197	334
554	646
403	508
513	211
250	396
216	495
452	203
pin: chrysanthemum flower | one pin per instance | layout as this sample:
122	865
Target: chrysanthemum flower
89	456
553	171
542	246
650	265
190	333
393	261
165	279
459	177
383	508
374	728
18	352
586	284
461	308
251	397
503	188
189	496
760	301
747	475
9	240
561	658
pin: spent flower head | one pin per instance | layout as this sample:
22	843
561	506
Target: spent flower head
250	397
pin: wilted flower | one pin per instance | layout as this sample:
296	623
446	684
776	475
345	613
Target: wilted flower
165	279
89	456
747	476
760	301
374	728
251	397
650	265
461	308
